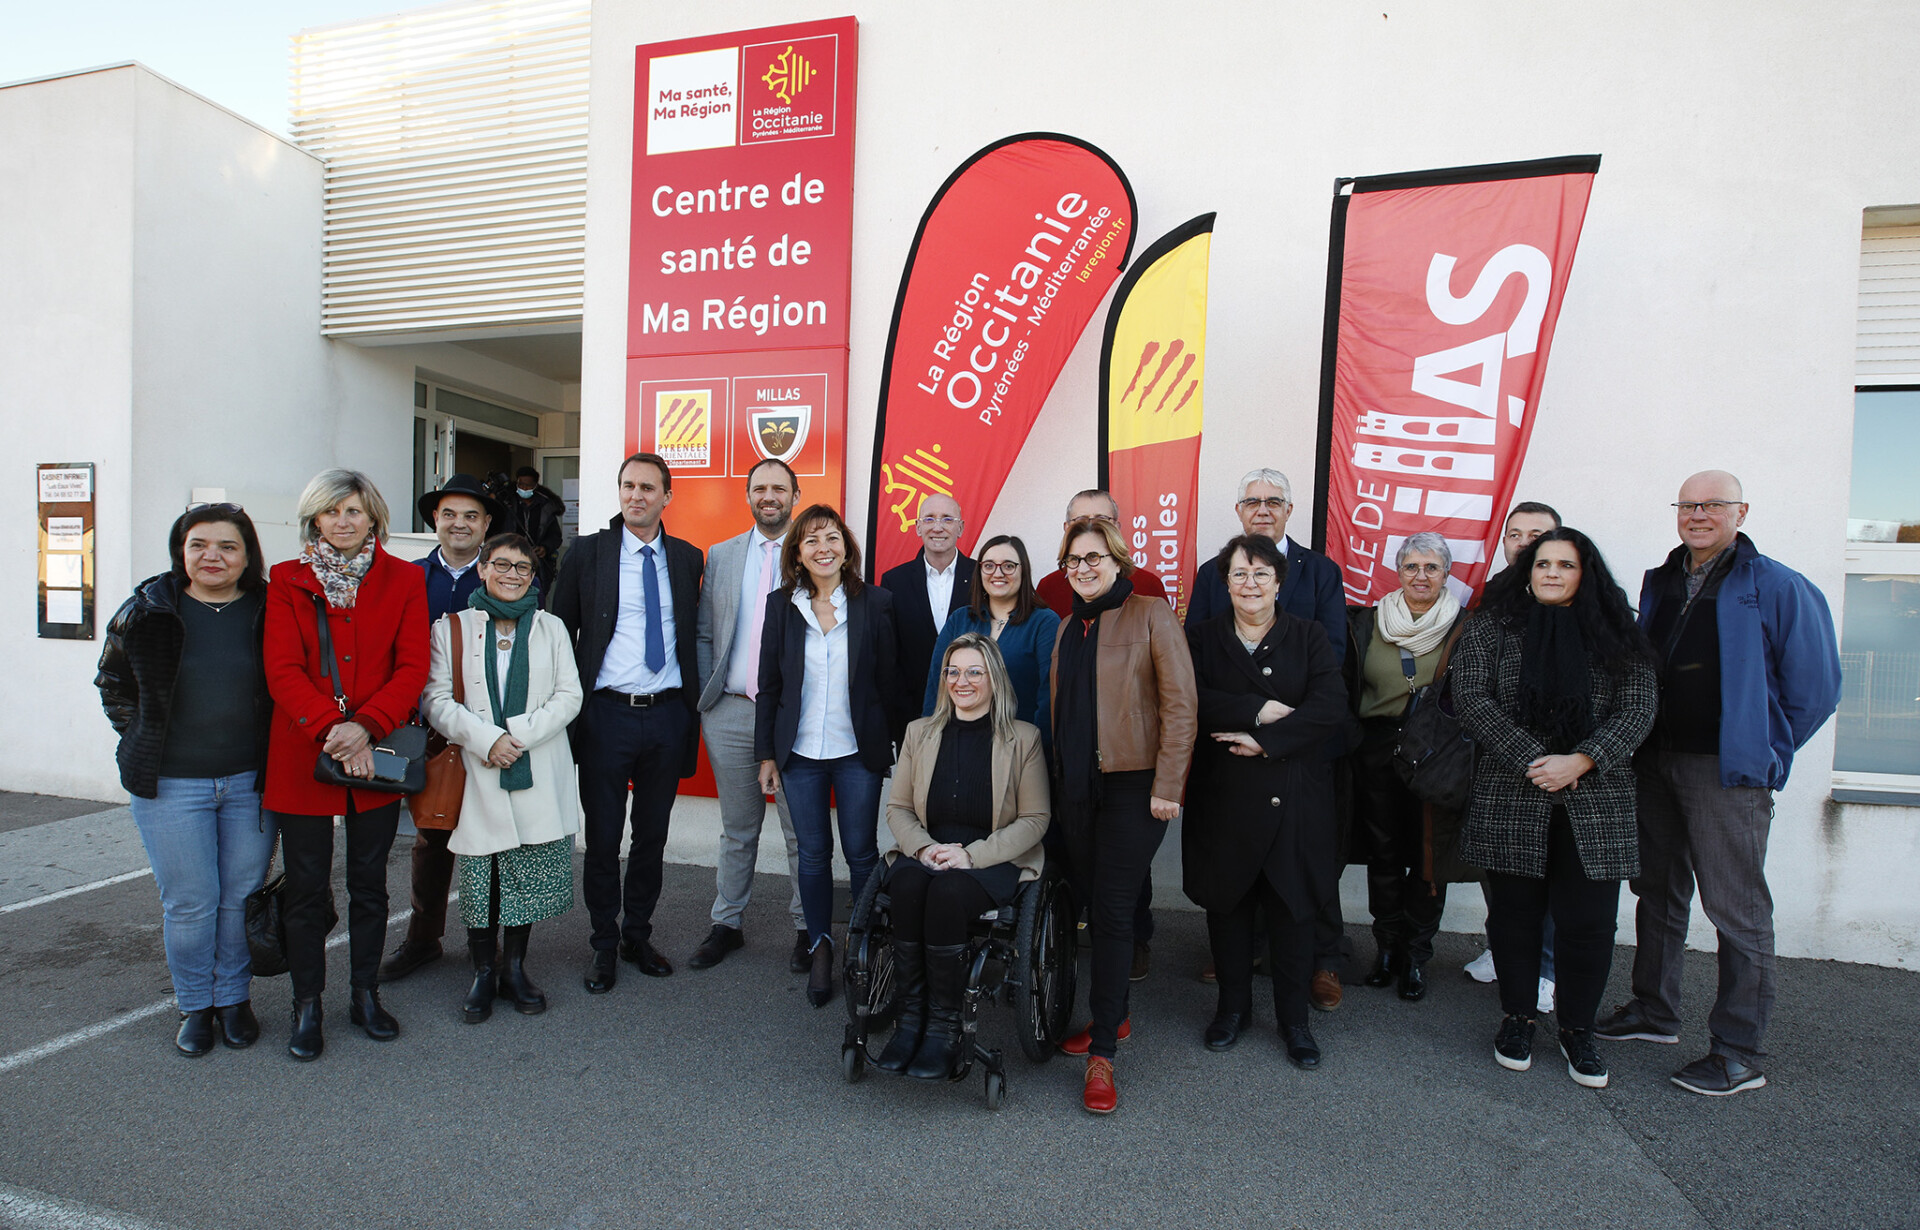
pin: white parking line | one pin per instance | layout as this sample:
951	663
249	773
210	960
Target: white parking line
122	878
26	1209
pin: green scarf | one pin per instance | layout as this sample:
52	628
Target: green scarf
519	774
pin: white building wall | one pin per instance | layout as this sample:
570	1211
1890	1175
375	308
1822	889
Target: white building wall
1709	320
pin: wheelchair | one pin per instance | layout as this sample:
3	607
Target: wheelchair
1022	953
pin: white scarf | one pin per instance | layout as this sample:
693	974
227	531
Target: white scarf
1417	635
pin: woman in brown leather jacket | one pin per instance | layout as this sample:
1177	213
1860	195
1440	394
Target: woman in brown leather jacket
1124	716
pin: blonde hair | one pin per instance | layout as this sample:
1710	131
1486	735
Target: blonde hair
1003	705
328	488
1109	533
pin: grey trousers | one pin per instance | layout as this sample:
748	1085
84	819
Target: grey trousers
728	731
1693	831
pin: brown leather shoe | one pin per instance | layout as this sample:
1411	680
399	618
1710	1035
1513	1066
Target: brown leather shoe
1325	994
1100	1096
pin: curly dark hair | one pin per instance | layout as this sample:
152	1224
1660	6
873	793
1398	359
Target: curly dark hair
1606	618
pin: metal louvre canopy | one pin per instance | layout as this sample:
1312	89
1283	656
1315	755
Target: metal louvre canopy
1888	341
455	143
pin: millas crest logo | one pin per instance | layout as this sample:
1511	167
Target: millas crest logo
682	431
788	75
780	434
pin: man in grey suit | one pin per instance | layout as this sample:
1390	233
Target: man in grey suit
741	572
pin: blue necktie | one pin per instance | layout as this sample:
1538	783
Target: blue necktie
650	587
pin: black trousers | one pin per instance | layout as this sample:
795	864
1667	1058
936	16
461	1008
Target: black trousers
1405	907
1121	844
933	908
1332	950
1584	915
621	744
1290	948
306	847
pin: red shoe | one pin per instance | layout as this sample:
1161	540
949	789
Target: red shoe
1100	1097
1082	1042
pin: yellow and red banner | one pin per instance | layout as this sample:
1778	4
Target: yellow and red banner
1152	387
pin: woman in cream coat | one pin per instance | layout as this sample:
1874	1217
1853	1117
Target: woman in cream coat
519	812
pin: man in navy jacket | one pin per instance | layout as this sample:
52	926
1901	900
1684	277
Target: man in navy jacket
1749	670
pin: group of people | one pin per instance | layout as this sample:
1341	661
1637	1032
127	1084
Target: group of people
1020	719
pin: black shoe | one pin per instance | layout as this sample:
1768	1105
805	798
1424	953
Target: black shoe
306	1042
714	949
1142	962
910	996
1513	1045
601	973
196	1033
944	1047
366	1012
1302	1051
528	1000
1584	1064
820	973
486	979
1224	1030
1627	1023
1413	983
410	956
800	960
1716	1076
239	1028
646	957
1385	965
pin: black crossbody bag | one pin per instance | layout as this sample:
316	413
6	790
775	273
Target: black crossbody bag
399	760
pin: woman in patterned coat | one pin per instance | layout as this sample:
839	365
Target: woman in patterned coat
1555	682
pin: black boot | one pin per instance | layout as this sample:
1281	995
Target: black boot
820	979
306	1042
196	1033
367	1013
514	983
1413	982
910	993
1385	965
479	1004
239	1028
941	1050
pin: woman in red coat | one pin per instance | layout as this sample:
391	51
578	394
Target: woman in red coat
377	616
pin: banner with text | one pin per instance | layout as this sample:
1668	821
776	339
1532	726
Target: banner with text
1443	288
1152	389
1010	262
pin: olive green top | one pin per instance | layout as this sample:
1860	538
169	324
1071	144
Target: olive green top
1384	686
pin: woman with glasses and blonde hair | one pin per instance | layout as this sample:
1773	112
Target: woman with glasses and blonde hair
1004	607
1123	728
968	810
374	609
520	688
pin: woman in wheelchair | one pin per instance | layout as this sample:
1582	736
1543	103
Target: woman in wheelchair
968	808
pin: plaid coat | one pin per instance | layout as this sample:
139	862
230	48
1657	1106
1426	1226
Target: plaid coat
1506	827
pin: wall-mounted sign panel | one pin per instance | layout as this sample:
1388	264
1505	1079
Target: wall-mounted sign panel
65	491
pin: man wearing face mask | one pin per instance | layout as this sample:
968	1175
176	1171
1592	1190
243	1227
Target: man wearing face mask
535	511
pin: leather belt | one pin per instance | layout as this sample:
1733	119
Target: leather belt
640	701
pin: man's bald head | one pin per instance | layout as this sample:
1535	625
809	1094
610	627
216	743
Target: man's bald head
1712	485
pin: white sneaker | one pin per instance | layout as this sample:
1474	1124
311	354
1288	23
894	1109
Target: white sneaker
1546	995
1480	969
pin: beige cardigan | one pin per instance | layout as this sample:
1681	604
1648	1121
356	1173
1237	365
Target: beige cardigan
1022	804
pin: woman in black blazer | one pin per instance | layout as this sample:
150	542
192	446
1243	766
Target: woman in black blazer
822	720
1259	827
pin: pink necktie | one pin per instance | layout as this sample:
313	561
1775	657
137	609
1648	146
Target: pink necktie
767	576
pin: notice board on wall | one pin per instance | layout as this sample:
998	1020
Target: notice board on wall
65	492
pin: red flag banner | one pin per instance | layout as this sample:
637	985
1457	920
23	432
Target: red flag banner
1443	288
1152	377
1011	260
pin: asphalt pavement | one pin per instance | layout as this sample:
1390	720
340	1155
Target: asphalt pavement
715	1098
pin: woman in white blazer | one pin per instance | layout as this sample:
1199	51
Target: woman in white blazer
519	690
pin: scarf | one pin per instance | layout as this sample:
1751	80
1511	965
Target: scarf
512	701
1076	708
339	576
1417	635
1554	690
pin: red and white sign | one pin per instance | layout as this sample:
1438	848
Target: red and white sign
1450	286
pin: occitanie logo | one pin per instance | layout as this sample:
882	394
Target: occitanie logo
789	74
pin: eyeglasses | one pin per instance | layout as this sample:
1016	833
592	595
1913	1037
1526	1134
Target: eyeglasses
1074	563
1272	503
999	568
1259	576
943	520
972	674
1421	570
1713	508
502	567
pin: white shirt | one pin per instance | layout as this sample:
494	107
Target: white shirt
758	572
461	571
624	669
826	708
502	633
940	590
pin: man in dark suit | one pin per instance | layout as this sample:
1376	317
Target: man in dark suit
630	596
926	589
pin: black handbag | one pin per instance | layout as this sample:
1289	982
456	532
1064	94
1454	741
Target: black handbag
1434	755
399	760
266	929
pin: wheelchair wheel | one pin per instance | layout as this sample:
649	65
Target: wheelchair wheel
868	971
996	1090
1046	946
853	1063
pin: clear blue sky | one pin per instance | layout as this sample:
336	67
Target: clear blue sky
232	52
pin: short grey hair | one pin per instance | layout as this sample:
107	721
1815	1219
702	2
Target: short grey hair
1272	477
328	488
1426	542
1094	493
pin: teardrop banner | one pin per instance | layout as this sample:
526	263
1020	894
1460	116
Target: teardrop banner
1012	259
1443	288
1152	384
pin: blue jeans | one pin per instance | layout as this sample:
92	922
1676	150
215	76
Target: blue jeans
209	844
856	791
